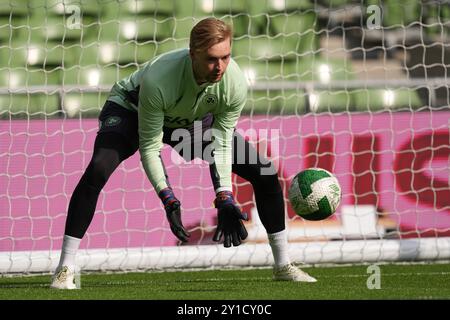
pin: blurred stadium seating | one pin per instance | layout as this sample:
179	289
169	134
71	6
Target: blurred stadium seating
319	44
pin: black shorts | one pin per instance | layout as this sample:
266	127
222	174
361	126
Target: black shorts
115	118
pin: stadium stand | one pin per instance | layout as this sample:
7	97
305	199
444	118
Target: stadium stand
285	41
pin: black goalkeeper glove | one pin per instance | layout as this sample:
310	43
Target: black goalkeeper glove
172	206
230	218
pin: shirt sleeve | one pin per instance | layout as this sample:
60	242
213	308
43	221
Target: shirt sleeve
223	130
151	121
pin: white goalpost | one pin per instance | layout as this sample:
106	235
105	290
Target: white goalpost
359	88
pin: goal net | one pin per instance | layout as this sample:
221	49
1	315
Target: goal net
359	88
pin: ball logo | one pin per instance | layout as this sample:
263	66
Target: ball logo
210	99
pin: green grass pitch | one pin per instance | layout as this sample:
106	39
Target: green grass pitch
396	281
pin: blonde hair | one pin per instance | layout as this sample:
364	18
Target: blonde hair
209	32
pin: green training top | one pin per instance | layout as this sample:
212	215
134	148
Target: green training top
165	94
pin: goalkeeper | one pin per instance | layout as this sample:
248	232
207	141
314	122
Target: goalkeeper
173	91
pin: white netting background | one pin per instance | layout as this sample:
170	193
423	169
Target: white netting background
358	88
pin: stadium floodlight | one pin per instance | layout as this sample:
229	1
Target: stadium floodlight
14	79
93	76
324	73
207	5
314	100
129	29
388	98
33	53
107	52
250	75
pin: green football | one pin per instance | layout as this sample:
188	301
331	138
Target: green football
315	194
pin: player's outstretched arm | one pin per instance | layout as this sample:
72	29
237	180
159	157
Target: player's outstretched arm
230	218
151	120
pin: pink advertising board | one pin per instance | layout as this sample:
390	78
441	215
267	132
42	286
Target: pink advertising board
395	161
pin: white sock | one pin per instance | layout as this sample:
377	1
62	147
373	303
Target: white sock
279	244
69	251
